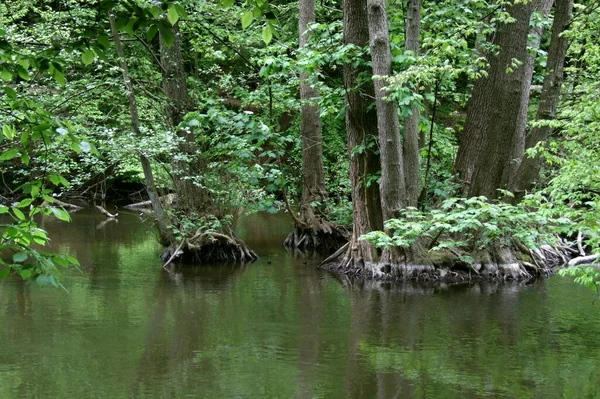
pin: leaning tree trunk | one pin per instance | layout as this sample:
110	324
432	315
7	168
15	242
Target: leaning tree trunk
501	115
312	230
530	166
203	245
392	185
361	129
412	173
166	235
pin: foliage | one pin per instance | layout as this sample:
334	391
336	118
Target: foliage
469	224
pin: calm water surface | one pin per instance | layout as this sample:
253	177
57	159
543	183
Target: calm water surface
281	329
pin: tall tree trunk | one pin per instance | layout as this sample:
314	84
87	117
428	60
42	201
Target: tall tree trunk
393	184
312	230
310	124
493	116
412	172
530	167
190	196
361	129
166	235
518	150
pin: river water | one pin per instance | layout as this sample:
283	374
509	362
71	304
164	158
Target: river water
279	328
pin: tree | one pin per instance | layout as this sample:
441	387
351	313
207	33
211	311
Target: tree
361	130
530	165
411	123
392	185
312	230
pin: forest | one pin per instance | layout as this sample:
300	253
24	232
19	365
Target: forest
445	141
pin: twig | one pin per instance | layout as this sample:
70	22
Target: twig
174	255
107	213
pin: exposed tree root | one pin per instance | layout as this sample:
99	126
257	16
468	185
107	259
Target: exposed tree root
313	233
510	261
207	246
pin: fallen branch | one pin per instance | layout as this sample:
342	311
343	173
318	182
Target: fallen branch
165	200
175	254
335	254
107	213
583	260
63	204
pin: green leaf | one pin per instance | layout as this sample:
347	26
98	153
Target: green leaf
59	260
25	159
43	280
22	72
61	214
3	209
4	273
8	131
71	259
172	15
59	77
227	3
88	56
180	10
10	92
6	75
247	19
267	34
10	154
18	213
25	274
151	32
103	41
166	34
55	179
25	203
20	257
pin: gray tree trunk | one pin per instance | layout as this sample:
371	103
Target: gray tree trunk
412	173
392	185
174	84
166	236
518	150
310	124
361	129
493	116
530	167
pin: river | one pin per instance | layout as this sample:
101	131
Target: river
279	328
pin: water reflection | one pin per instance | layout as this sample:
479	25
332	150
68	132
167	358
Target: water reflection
281	328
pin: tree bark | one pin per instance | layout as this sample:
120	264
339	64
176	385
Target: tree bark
493	117
310	124
530	166
518	150
392	186
361	129
190	196
312	231
412	172
166	235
